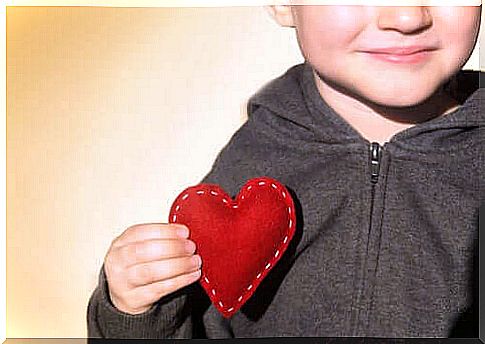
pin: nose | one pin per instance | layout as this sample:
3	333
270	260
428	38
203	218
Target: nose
405	19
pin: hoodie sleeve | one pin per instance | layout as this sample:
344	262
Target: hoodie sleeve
167	318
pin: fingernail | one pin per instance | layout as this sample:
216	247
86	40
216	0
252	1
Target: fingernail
182	232
189	246
196	260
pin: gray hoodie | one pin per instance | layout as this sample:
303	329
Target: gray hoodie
386	239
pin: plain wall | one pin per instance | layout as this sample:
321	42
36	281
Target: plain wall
111	112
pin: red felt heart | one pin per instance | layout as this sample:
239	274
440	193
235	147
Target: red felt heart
240	240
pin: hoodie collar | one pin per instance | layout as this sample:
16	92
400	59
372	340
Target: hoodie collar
294	96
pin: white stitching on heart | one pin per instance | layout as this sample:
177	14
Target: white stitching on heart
214	193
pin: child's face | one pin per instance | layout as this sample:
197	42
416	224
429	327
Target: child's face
340	42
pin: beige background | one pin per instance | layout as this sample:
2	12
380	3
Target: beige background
110	114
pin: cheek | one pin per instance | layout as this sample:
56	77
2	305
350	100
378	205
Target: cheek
458	28
328	30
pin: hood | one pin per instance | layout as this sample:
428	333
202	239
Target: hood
294	97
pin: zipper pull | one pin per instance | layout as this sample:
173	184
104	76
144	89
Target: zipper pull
375	159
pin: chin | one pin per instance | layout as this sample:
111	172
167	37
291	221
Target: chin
399	102
398	98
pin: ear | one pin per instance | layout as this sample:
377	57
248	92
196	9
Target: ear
282	14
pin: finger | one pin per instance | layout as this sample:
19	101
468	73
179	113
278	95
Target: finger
148	294
153	250
151	231
147	273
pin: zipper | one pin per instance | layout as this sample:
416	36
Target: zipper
375	160
375	152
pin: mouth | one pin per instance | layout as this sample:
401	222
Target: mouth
401	55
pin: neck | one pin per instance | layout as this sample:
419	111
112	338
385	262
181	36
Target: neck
378	123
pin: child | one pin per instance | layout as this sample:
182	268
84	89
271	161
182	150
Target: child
376	136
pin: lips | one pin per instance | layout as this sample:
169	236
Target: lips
401	55
409	54
400	50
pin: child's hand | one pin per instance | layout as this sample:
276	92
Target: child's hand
147	262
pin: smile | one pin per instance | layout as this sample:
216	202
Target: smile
411	55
